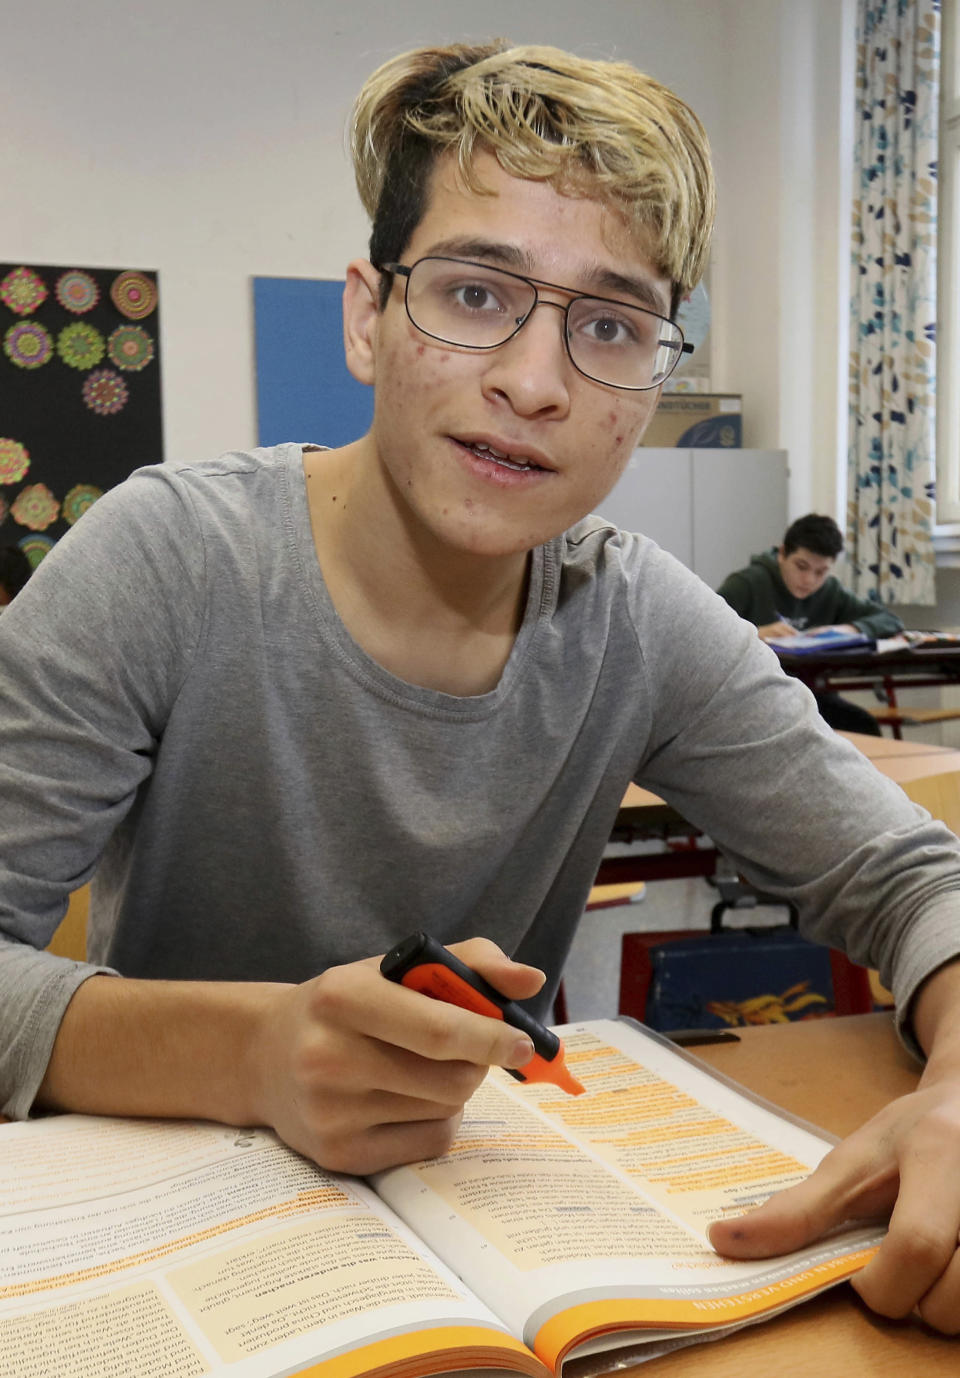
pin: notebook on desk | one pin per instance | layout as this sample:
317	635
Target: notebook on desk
824	639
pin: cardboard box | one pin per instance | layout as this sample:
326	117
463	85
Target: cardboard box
697	420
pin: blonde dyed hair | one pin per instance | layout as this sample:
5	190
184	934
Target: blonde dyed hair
594	129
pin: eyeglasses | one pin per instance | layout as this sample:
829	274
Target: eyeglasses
477	307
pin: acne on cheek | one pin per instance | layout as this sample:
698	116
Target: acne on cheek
615	420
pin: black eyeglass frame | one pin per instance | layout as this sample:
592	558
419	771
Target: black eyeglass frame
404	270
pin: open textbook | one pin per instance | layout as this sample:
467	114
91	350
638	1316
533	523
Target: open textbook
559	1235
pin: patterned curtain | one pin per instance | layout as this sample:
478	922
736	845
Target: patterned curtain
891	458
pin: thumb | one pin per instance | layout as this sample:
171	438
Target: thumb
839	1189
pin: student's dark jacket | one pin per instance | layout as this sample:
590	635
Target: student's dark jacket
759	594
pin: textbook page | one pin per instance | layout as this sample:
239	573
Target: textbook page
572	1214
169	1250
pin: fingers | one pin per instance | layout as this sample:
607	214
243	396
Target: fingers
917	1262
776	631
513	979
941	1306
358	1065
906	1159
852	1182
387	1145
368	1131
359	998
358	1072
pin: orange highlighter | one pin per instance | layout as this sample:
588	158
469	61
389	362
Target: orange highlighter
422	964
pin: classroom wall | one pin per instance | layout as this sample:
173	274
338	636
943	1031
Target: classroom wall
204	138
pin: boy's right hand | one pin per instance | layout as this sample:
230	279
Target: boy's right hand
351	1069
359	1073
776	631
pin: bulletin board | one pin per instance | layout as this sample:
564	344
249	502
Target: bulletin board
305	391
80	401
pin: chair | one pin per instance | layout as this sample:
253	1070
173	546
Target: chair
896	717
891	714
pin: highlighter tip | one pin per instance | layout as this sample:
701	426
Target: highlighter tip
565	1079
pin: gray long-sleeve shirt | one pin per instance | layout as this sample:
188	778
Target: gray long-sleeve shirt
182	711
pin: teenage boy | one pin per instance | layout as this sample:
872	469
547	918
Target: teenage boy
292	704
793	589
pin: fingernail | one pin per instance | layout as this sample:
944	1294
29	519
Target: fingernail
522	1053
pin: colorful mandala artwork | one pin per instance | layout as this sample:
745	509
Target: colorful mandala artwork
134	295
35	547
23	291
80	345
14	460
27	344
130	347
80	497
105	392
76	291
35	507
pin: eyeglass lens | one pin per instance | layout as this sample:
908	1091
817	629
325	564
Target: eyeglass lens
477	307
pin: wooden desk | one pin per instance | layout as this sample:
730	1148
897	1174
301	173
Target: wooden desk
905	761
834	1334
911	667
644	816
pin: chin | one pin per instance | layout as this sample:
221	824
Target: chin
486	540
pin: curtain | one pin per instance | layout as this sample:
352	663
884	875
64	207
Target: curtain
891	457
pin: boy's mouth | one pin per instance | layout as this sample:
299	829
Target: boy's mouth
519	463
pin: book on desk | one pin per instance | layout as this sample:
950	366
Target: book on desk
558	1231
823	639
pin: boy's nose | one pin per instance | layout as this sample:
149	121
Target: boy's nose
532	368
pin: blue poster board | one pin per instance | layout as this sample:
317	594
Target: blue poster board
304	389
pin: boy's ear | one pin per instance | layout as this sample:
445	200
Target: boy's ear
361	296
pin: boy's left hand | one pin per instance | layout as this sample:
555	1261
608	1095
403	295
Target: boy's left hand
905	1162
906	1159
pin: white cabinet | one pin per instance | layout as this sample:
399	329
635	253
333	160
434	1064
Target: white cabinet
713	509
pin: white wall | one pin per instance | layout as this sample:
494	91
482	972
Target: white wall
204	138
783	160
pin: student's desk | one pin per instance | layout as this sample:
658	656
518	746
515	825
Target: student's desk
910	668
835	1073
645	817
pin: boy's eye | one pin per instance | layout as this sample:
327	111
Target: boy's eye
476	296
600	324
609	330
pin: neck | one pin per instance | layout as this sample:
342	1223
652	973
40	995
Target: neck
437	616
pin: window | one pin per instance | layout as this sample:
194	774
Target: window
948	287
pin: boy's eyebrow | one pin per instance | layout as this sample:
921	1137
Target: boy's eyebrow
605	281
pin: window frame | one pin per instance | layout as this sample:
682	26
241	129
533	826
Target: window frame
947	528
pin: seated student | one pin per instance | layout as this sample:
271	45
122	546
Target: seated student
793	589
289	705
